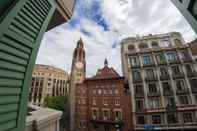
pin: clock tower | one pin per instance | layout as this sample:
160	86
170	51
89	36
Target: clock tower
78	73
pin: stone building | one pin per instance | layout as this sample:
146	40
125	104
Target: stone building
103	103
193	47
47	81
78	72
162	78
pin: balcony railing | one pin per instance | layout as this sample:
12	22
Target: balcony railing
154	94
167	92
183	91
187	59
165	77
149	79
175	61
152	64
161	62
135	66
139	80
178	75
192	74
139	94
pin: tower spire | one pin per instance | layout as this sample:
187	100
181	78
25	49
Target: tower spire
105	62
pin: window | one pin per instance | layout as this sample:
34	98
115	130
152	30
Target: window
140	120
193	83
94	102
143	46
185	55
116	91
146	59
172	57
165	43
160	58
152	88
99	91
177	42
105	115
155	44
134	61
163	71
180	85
136	75
154	103
139	105
166	86
187	117
138	89
188	68
175	70
172	118
105	102
170	101
117	102
118	115
183	100
156	119
131	47
95	114
150	73
94	91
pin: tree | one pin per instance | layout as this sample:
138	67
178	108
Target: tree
57	102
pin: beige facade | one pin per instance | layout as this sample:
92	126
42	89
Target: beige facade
162	78
47	81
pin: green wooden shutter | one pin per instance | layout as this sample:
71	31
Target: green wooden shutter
21	31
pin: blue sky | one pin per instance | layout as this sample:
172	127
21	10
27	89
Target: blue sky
102	24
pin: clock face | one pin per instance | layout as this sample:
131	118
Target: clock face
79	65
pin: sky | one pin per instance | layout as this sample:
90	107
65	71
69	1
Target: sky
102	24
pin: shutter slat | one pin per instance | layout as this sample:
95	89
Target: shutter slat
10	91
8	117
11	66
8	125
13	51
11	58
11	74
8	100
8	108
10	82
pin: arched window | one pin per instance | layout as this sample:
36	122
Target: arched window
177	42
143	45
131	47
155	44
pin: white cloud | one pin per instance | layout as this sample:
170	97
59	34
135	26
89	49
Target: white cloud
125	18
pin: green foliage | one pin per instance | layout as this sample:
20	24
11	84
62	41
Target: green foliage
57	102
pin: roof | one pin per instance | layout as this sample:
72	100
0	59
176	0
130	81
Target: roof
106	72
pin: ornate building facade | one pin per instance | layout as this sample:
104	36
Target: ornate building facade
47	81
103	103
162	78
78	73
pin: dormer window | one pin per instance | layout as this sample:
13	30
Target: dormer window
155	44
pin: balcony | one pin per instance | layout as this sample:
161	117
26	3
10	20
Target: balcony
178	75
183	91
151	94
139	94
167	92
162	62
175	62
152	64
135	66
192	74
140	110
139	80
150	79
187	59
164	77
